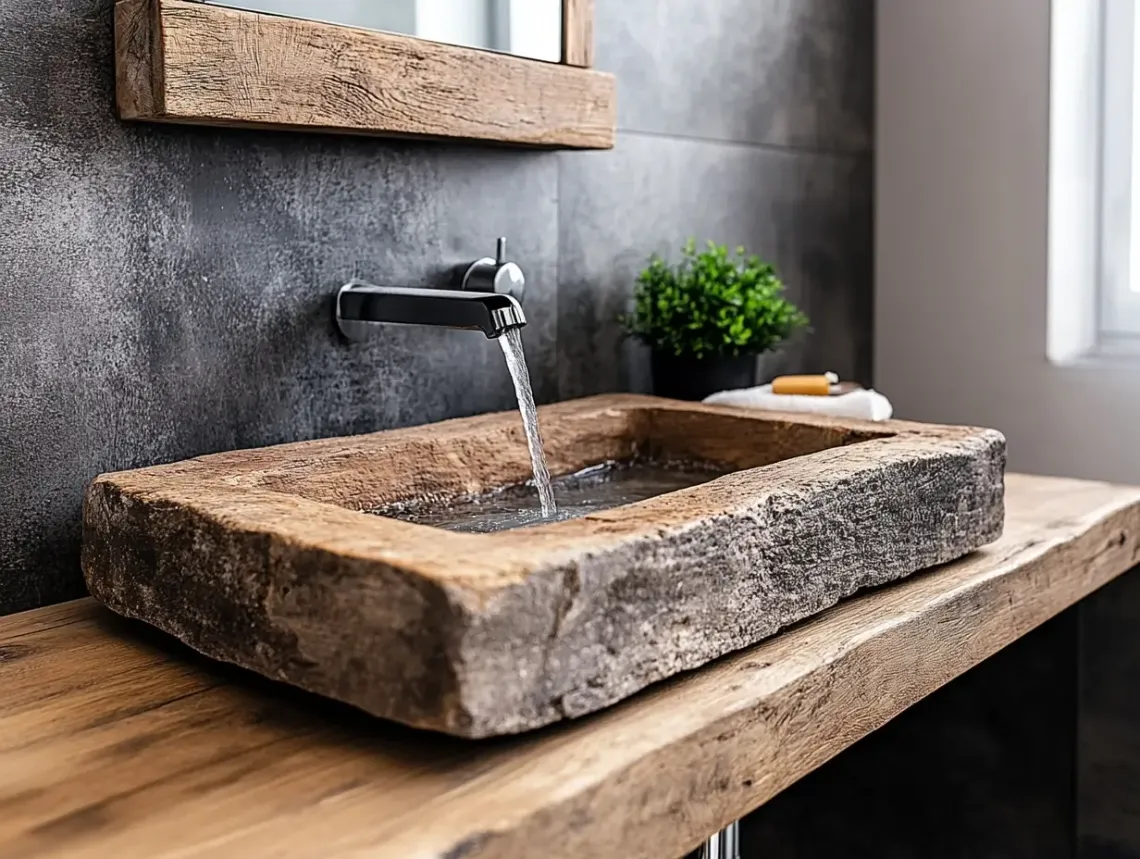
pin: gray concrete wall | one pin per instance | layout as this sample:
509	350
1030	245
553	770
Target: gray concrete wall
165	292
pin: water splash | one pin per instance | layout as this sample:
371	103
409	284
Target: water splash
511	342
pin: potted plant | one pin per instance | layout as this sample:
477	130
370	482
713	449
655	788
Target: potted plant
708	318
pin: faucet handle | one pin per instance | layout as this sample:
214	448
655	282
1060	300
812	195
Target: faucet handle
495	275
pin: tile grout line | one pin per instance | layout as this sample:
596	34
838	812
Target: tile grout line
561	157
745	144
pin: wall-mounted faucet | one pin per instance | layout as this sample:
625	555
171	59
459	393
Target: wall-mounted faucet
487	300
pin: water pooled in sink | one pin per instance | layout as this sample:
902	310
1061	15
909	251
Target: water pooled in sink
511	342
600	487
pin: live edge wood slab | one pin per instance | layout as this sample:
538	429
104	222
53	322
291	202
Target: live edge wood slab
115	741
193	62
263	557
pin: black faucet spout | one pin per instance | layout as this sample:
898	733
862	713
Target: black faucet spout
361	306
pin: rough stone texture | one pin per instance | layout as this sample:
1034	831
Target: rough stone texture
261	557
178	756
166	291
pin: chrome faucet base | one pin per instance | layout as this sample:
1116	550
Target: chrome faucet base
495	275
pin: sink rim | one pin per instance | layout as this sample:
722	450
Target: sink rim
493	605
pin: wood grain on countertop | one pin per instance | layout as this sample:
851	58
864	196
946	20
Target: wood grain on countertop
117	741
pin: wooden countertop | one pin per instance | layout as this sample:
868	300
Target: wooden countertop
116	741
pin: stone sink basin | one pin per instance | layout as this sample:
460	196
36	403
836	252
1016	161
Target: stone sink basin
265	558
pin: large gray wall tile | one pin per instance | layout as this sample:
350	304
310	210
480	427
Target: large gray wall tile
809	214
167	291
794	73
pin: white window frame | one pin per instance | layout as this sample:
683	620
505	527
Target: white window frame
1119	275
1094	138
968	201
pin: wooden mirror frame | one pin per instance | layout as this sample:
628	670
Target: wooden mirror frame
189	62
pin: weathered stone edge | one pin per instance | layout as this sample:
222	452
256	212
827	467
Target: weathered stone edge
531	655
597	648
348	628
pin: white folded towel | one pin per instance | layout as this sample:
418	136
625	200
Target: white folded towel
865	404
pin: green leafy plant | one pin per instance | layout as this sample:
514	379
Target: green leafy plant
711	304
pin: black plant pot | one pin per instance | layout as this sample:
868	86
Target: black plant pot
689	378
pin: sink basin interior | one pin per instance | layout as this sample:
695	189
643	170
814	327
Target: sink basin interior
427	469
590	490
268	558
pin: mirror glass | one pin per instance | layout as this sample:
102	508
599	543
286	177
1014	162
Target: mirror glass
528	28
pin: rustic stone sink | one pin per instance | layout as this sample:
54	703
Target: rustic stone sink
264	558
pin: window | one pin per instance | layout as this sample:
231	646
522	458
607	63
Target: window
1094	181
1120	175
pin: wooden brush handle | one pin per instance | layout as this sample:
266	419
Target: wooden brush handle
818	386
